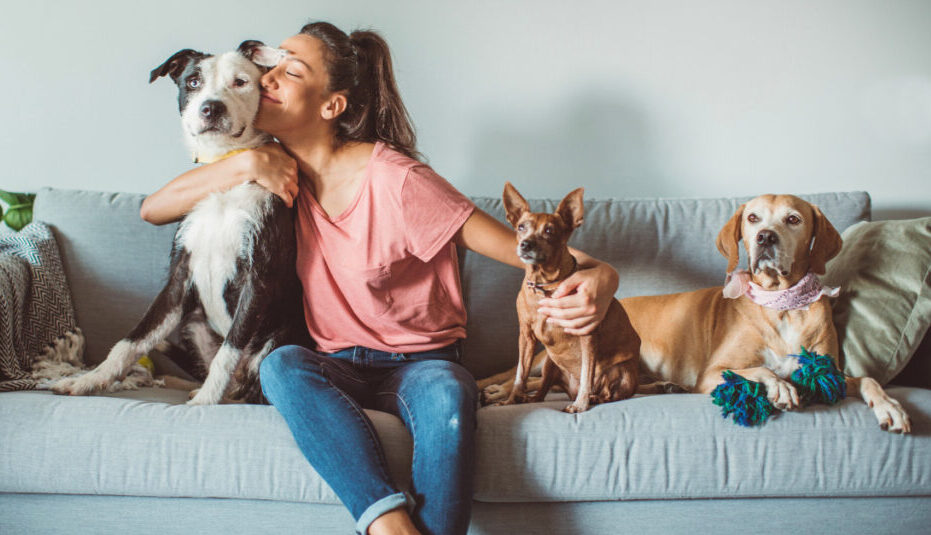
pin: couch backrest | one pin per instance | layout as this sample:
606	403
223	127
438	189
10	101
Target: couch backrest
116	263
657	245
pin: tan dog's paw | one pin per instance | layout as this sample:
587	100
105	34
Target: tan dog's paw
781	394
892	416
514	399
673	388
494	393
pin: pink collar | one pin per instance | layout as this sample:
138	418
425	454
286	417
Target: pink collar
800	296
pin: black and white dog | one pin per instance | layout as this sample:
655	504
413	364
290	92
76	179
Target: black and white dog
232	287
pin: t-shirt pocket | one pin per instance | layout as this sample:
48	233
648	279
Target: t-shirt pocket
425	304
372	295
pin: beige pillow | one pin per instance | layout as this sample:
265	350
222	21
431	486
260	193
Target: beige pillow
884	308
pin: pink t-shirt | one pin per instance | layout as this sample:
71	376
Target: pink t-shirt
384	273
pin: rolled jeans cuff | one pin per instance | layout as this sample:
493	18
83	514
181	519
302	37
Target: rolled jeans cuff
382	506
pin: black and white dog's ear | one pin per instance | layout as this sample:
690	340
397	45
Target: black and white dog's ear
260	53
175	65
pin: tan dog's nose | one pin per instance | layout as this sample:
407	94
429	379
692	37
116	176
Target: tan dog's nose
767	238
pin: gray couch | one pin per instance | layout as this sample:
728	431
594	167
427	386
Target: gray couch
142	462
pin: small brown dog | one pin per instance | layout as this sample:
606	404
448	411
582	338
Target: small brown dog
597	368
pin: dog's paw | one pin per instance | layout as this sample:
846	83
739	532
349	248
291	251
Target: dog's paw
199	397
493	394
515	398
196	398
575	408
782	394
79	386
892	417
673	388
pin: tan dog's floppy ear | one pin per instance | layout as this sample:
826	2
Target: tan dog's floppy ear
729	239
826	243
514	204
572	208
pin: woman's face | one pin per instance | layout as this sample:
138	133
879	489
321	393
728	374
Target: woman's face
294	92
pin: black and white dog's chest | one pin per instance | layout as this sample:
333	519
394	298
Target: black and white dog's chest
220	234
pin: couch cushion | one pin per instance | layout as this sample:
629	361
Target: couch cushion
679	446
147	443
657	245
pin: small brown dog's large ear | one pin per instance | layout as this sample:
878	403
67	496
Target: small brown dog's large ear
572	208
825	245
514	204
729	239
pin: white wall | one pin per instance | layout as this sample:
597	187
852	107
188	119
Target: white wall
629	99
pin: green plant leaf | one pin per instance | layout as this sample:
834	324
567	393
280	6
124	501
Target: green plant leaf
17	218
19	209
9	198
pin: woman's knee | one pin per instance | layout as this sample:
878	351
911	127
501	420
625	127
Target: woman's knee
280	365
445	387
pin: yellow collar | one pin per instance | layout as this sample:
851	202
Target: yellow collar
223	157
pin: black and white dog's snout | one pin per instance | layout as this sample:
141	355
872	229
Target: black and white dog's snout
212	110
215	119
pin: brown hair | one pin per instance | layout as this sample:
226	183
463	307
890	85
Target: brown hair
360	64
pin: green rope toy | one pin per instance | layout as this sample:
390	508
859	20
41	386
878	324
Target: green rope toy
817	380
744	399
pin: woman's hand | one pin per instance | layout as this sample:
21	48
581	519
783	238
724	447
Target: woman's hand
580	302
273	169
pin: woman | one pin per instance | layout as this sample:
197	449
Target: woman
376	233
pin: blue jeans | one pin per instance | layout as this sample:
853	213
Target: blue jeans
321	397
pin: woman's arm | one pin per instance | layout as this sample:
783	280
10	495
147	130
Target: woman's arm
268	165
578	304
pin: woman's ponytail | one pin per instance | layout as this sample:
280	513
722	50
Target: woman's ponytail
360	64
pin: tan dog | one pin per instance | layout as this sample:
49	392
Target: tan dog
689	339
597	368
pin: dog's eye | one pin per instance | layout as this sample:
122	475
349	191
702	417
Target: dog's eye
793	220
522	227
193	83
239	82
753	218
548	230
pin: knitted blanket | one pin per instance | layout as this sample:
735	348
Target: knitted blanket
39	339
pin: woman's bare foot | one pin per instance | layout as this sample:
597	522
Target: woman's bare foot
394	522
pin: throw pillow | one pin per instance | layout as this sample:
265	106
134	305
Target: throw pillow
884	308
